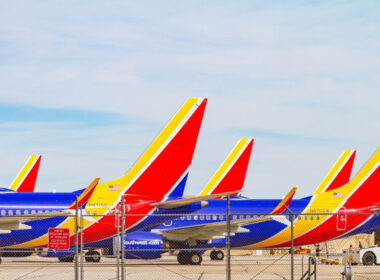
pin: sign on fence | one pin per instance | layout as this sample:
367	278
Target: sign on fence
59	238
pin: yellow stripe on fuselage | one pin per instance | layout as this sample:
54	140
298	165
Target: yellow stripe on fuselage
220	173
102	198
327	201
23	172
333	171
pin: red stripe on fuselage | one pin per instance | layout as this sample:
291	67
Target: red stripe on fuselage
364	198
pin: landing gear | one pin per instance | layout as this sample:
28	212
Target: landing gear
217	255
66	259
192	258
92	256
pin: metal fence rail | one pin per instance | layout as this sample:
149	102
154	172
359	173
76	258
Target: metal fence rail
236	256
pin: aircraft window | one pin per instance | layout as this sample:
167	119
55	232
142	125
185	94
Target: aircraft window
202	217
183	218
40	211
33	212
311	218
26	212
317	218
299	217
47	211
221	217
305	218
208	218
241	216
189	218
10	213
95	213
214	217
3	213
234	217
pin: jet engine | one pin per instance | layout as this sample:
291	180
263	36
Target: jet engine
138	245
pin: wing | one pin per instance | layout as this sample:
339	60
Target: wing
209	230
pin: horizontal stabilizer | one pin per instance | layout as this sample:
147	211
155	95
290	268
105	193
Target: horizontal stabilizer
187	201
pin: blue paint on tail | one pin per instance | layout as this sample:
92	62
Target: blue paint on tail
179	189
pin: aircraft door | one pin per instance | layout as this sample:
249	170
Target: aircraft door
341	222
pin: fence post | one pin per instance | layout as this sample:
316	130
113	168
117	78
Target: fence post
228	241
76	240
122	238
292	245
117	242
81	245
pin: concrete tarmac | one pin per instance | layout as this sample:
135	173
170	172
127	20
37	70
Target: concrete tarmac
166	268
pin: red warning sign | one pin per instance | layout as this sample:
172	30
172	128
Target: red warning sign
59	238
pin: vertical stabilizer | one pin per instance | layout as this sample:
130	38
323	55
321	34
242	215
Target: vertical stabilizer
25	180
162	167
339	174
230	175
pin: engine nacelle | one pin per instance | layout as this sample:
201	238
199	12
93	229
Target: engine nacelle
138	245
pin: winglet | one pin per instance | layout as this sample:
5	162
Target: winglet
85	195
282	206
339	174
231	174
25	180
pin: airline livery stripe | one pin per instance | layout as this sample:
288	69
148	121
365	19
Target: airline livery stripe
327	201
334	171
226	166
24	172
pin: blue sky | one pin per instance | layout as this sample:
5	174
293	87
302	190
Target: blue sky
88	85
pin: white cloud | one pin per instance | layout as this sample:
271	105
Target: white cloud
308	73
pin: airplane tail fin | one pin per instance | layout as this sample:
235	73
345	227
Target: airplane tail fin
25	180
361	192
230	175
364	187
284	204
339	174
85	195
163	166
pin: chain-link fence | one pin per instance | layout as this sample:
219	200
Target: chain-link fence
224	244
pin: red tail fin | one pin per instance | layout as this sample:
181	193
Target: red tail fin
339	174
163	165
230	175
25	180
